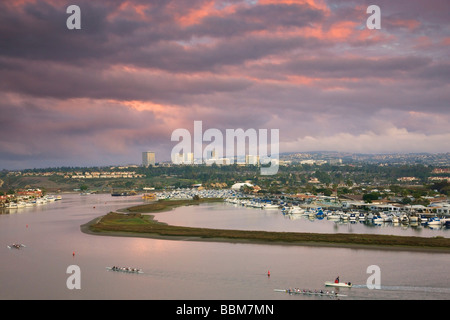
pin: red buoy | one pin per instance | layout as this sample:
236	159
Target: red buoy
268	273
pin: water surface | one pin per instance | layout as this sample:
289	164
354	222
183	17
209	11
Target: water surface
180	270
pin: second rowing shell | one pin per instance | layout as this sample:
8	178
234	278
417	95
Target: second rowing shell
311	293
124	270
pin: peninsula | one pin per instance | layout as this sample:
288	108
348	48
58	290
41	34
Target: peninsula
137	221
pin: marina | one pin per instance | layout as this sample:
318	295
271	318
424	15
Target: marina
340	215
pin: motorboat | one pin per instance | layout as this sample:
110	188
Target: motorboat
395	219
12	205
386	217
404	218
333	216
297	210
338	284
378	219
413	219
270	206
434	221
423	219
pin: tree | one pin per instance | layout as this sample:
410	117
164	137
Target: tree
369	197
406	200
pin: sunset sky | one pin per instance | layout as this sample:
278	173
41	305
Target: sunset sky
137	70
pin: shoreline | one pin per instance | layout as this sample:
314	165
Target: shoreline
137	221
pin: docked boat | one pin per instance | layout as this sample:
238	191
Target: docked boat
434	221
333	216
297	210
423	219
311	214
377	219
395	219
270	206
345	216
125	269
338	284
404	218
11	205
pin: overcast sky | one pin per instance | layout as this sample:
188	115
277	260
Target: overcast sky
139	69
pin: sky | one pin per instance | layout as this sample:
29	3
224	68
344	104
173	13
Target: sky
137	70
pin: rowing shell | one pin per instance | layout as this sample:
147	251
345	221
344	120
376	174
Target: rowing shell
125	270
339	284
16	246
311	293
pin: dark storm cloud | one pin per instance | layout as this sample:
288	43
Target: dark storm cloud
139	69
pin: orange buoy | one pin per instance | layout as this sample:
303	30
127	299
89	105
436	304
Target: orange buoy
268	273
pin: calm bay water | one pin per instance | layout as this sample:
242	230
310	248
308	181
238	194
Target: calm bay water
179	270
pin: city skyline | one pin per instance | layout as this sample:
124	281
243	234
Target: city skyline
136	71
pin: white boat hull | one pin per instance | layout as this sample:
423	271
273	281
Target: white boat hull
339	284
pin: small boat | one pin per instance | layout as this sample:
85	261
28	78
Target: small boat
125	269
270	206
311	292
333	216
297	210
11	205
345	216
377	219
423	219
404	218
338	284
16	246
386	217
